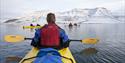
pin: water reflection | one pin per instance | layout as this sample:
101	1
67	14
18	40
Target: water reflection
89	51
13	59
31	30
110	49
70	28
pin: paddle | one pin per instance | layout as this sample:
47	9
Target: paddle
19	38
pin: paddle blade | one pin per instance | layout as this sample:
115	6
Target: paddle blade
90	41
13	38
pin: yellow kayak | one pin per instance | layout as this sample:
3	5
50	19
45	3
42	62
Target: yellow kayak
64	52
28	27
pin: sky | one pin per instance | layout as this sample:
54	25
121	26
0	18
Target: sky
18	7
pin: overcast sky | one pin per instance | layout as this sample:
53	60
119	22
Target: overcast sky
25	6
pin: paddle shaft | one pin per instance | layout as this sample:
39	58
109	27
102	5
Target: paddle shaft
75	40
28	38
70	39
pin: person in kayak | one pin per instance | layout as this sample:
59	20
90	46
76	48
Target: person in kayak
38	25
50	35
31	24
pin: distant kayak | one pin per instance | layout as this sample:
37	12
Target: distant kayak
28	27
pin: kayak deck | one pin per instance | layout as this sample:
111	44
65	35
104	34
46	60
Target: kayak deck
64	52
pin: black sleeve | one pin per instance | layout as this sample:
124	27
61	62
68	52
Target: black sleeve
35	44
64	44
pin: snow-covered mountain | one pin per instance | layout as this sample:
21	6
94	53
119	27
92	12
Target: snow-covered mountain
77	15
86	14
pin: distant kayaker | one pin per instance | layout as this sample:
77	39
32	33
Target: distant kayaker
70	25
37	25
31	25
75	24
50	35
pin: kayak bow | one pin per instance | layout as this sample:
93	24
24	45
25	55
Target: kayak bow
64	52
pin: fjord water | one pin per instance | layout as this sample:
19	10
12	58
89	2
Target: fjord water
110	49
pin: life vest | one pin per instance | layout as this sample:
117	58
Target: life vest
50	36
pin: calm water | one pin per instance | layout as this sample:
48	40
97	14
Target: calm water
110	49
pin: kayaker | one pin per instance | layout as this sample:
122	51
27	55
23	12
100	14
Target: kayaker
75	24
50	35
37	25
70	25
31	24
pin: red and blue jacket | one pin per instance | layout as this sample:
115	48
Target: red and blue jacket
64	40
